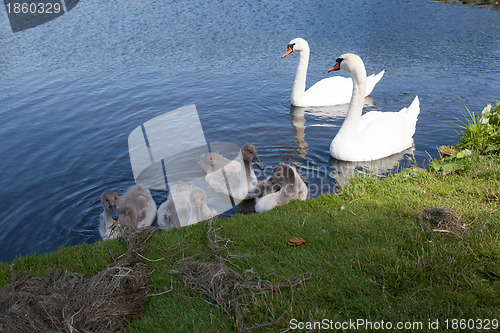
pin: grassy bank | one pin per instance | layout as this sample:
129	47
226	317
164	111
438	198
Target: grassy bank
366	255
495	4
370	259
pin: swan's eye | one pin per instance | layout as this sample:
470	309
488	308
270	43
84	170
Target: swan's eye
291	46
339	60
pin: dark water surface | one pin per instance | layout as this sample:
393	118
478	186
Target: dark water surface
73	89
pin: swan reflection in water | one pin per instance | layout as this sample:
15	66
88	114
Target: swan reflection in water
332	112
341	171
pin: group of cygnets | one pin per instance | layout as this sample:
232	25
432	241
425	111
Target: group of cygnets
186	204
371	136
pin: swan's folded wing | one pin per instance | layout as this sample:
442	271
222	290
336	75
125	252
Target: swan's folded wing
335	85
376	126
372	80
412	113
414	108
366	121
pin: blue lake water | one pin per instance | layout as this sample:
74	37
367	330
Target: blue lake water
73	89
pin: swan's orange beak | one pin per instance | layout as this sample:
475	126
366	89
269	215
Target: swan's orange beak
288	51
334	68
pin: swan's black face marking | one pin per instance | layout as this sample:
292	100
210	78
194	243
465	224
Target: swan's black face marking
336	67
289	49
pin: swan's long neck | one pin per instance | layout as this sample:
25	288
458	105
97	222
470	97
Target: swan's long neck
299	85
245	172
350	126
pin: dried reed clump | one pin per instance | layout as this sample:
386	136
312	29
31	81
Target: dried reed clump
67	302
443	220
224	286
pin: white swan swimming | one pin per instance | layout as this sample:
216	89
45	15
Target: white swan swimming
330	91
135	208
186	204
240	176
291	187
375	134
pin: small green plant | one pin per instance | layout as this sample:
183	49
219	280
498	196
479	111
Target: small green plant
481	132
454	162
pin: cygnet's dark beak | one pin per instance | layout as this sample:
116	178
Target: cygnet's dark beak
113	212
257	162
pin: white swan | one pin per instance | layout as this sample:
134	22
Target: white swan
375	134
135	208
330	91
291	187
240	176
186	204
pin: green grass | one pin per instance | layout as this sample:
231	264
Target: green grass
85	258
492	3
481	2
368	260
368	256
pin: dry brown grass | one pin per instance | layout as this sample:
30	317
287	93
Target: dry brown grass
227	289
63	301
443	220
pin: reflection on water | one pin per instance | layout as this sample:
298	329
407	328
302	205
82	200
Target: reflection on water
299	125
343	170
